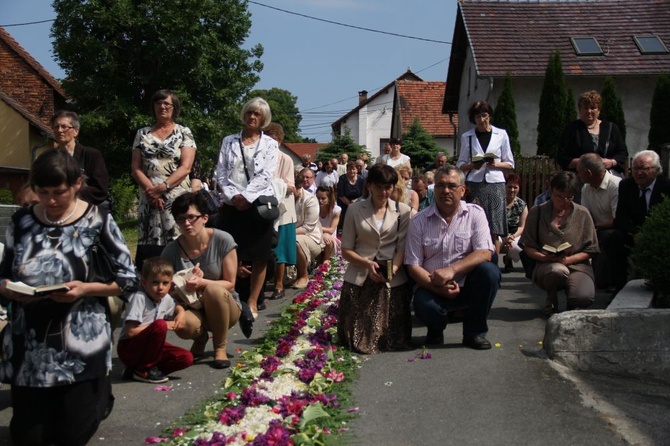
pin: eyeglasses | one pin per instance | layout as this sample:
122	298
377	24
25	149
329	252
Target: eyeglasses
482	116
559	197
642	169
187	218
450	186
62	127
164	104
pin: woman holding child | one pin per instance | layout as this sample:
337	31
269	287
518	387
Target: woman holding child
374	313
212	254
57	348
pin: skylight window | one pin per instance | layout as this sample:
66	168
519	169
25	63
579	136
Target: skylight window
650	45
586	46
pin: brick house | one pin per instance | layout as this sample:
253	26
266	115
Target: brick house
627	40
29	95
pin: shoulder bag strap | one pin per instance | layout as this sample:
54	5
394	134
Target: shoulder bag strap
185	253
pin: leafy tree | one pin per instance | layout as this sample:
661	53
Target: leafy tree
552	115
659	117
419	145
284	111
612	108
504	116
341	144
116	54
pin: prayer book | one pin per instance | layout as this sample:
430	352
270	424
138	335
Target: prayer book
43	290
558	249
488	156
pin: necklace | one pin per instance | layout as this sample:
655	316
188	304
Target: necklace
64	219
593	126
561	213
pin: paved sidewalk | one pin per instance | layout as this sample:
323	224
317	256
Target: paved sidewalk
505	396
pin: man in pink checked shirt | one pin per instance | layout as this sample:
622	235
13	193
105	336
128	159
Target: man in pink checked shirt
448	254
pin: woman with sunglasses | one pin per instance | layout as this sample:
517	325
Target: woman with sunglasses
212	254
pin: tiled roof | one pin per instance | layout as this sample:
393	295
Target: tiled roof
518	37
26	114
424	100
407	75
304	148
14	45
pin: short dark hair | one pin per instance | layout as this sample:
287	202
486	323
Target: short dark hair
396	140
565	181
512	178
382	174
53	168
156	266
164	94
478	108
72	116
181	204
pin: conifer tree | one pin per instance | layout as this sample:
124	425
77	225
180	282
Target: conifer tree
570	106
504	116
612	108
342	143
659	117
420	146
552	114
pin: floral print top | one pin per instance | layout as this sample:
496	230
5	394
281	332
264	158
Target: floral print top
514	214
48	343
159	160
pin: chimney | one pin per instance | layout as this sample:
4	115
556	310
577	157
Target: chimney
362	96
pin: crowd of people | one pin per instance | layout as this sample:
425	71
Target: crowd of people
426	241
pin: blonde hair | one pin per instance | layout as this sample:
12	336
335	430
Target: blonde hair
254	104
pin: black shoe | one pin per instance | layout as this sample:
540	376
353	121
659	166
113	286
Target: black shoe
261	306
246	320
153	376
220	364
278	294
477	343
127	373
434	339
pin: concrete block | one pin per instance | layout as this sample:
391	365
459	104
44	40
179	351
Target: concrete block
634	295
634	343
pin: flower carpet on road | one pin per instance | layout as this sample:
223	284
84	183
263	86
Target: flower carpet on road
289	389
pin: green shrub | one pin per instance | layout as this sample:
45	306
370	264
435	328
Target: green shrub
6	196
124	193
652	246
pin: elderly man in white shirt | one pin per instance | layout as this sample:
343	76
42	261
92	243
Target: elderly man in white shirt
600	195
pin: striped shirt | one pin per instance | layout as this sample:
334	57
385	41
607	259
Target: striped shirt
432	243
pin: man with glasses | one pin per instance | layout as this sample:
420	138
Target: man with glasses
448	253
307	175
638	194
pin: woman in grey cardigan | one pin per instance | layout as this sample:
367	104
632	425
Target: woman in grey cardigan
555	223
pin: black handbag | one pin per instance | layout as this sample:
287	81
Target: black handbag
267	206
101	267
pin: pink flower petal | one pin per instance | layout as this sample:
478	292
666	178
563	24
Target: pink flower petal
163	388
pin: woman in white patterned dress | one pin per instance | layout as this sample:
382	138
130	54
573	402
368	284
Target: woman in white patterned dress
162	158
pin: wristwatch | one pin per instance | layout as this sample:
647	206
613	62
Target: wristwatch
614	163
167	186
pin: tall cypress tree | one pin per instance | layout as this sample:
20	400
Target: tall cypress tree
659	117
570	106
552	115
612	108
504	116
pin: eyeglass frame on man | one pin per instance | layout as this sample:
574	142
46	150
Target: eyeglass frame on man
62	127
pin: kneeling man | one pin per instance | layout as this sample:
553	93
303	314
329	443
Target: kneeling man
448	253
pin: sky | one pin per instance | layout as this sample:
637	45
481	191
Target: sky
325	65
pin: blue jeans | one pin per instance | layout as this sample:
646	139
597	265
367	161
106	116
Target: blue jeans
477	295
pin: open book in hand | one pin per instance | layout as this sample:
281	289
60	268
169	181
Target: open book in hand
558	249
43	290
189	298
487	157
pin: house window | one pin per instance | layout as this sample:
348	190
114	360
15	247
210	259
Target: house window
586	46
650	45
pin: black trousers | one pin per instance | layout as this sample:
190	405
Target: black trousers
62	415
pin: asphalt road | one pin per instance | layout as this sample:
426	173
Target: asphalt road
508	395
